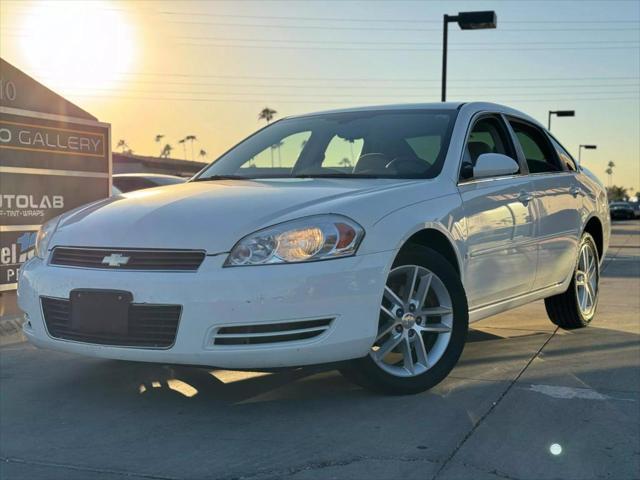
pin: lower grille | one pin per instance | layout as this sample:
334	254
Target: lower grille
127	259
151	326
271	332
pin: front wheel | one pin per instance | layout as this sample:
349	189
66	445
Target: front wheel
422	326
576	307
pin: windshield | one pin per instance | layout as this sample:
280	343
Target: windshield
385	144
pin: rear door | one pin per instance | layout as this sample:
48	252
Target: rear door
557	201
499	215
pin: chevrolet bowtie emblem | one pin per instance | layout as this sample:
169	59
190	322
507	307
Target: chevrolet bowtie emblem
115	260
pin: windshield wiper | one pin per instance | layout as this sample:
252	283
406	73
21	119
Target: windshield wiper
220	177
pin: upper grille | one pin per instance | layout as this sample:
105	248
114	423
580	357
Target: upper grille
182	260
271	332
152	326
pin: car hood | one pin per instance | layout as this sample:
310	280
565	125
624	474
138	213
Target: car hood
214	215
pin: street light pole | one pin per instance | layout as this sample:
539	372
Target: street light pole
586	147
445	34
466	21
559	113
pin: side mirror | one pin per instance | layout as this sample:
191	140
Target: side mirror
494	165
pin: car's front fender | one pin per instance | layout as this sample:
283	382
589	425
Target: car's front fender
443	214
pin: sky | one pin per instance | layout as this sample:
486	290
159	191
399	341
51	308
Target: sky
206	68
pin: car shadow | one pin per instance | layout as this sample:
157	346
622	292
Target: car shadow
167	384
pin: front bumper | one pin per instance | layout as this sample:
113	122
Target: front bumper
348	290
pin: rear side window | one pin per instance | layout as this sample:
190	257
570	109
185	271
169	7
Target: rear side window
538	152
566	160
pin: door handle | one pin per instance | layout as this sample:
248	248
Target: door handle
525	197
575	191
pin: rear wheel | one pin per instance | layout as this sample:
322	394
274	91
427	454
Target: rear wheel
576	307
421	329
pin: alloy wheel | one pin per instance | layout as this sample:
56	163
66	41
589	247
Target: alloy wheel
586	280
416	319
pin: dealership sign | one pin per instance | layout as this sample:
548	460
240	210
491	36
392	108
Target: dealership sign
35	138
12	206
54	156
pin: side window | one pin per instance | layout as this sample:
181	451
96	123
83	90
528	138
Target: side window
281	156
489	135
566	160
537	150
342	153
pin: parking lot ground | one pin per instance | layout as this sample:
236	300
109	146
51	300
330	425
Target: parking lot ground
527	401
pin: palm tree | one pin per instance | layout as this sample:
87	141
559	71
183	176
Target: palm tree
273	147
617	194
184	147
266	114
277	146
609	171
122	144
351	140
203	154
166	151
159	138
191	138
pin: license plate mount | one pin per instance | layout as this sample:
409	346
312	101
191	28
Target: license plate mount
103	312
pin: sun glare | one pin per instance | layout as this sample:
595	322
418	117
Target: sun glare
73	44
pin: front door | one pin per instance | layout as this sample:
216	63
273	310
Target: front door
500	219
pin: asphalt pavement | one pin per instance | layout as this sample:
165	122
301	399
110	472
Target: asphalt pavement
527	401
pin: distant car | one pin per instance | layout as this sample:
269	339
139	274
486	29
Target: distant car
128	182
636	209
622	210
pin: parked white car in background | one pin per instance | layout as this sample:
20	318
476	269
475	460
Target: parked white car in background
371	236
129	182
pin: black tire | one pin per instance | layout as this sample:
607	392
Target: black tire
366	373
563	309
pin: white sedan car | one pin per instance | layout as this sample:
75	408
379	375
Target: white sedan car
363	238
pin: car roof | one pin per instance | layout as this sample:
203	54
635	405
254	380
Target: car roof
391	107
472	106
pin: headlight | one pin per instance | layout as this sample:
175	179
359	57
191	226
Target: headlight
304	240
44	236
